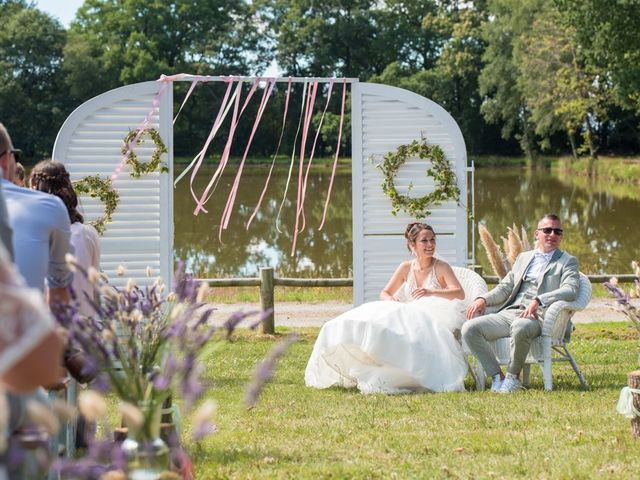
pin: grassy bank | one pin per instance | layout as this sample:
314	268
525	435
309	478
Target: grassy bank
617	169
298	432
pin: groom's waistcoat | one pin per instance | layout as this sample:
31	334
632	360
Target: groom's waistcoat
559	281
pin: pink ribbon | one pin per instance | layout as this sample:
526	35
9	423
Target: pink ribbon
199	158
186	97
311	97
227	149
226	215
293	155
335	160
313	149
273	162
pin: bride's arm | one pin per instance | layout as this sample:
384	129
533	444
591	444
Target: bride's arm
452	290
394	283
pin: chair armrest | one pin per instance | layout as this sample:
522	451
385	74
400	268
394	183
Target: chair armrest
557	316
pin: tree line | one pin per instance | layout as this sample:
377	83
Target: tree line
519	76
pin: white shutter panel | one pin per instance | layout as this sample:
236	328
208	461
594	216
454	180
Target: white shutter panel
89	143
383	118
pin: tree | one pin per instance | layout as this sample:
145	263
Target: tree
31	88
607	32
503	99
451	77
560	89
332	37
127	41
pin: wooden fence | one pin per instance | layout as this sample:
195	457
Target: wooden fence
267	282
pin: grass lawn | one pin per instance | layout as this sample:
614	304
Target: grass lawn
299	432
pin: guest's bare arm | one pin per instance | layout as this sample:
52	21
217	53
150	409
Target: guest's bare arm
40	367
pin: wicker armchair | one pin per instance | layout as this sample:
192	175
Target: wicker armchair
472	283
556	332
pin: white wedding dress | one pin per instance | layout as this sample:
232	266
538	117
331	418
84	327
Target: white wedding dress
392	347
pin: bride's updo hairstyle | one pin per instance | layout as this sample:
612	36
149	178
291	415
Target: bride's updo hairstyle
413	230
49	176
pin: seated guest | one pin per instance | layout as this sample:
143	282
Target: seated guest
52	177
41	231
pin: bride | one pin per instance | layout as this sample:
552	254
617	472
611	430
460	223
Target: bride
405	342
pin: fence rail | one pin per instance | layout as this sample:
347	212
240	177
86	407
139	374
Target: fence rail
267	283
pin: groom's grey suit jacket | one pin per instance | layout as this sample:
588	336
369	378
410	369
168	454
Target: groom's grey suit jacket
559	281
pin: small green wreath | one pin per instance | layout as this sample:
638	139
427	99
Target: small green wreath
440	170
138	169
103	190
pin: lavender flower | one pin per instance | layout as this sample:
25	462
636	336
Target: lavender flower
266	369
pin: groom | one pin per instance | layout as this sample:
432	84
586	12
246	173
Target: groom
537	279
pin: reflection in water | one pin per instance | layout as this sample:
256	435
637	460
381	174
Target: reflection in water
598	219
599	222
325	253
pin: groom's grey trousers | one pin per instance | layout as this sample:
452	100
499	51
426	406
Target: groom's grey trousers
478	332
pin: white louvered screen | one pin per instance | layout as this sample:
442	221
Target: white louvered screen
384	118
89	143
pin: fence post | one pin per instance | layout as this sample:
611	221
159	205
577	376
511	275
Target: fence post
266	298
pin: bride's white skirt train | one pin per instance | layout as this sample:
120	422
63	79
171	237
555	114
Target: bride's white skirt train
391	347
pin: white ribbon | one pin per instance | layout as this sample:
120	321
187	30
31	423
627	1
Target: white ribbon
625	403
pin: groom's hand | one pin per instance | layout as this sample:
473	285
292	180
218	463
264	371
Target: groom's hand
478	307
531	311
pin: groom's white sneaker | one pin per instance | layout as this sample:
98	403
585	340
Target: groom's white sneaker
510	384
496	383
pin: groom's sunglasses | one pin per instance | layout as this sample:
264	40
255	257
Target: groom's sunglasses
548	230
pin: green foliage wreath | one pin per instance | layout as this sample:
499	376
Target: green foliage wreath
138	169
440	170
103	190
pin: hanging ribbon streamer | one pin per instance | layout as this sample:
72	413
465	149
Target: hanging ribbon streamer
186	97
227	149
311	98
199	158
335	160
293	156
313	149
625	403
226	215
273	162
155	105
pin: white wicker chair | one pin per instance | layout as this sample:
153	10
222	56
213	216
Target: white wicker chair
472	283
555	335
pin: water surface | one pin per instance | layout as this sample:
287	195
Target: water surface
600	221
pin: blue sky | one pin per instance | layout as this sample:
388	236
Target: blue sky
63	10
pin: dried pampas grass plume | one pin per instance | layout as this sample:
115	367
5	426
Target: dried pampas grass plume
515	245
526	245
493	251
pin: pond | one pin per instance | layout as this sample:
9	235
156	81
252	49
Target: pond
598	221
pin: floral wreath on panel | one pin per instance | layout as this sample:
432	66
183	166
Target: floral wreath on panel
103	190
440	171
138	169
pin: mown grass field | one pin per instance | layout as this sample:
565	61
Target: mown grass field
298	432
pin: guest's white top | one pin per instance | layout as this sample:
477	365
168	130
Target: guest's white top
86	243
41	232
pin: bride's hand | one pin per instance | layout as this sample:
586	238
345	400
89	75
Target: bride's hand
420	292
